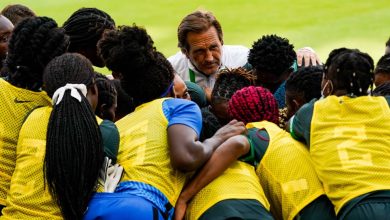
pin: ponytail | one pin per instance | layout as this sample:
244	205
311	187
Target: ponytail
74	147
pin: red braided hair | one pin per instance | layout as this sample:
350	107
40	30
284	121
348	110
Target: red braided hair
252	104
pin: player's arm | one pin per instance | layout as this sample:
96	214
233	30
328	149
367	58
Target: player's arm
220	160
186	152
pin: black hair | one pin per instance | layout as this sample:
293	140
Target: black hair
210	124
228	81
272	54
17	12
107	93
383	65
388	42
34	42
350	70
306	83
85	28
382	90
146	73
125	103
74	147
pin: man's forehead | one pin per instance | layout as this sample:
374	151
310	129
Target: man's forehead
204	39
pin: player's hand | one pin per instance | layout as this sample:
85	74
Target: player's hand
307	56
233	128
180	209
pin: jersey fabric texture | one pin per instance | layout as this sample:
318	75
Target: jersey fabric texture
233	56
237	209
286	173
239	181
144	152
15	104
349	145
29	198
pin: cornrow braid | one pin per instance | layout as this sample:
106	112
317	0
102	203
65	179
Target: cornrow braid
306	83
228	81
252	104
85	28
350	70
107	92
34	42
74	147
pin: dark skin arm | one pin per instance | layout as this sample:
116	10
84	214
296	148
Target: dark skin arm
221	159
188	154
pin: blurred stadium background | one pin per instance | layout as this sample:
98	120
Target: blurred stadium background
322	24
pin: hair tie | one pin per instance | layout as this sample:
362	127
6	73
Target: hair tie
59	93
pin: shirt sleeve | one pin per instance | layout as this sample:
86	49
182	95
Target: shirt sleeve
110	136
300	123
259	141
181	111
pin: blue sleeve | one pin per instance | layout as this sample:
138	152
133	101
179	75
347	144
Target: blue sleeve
181	111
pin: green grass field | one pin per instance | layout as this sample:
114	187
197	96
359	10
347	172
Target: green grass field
322	24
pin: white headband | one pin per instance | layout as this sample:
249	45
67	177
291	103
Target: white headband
59	93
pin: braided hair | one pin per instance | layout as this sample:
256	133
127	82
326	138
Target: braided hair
147	74
85	28
74	147
305	83
252	104
228	81
107	96
34	42
17	12
350	70
271	57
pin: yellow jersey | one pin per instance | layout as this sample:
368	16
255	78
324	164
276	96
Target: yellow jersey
239	181
350	145
28	197
144	152
15	104
286	173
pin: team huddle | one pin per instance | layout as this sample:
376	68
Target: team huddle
213	132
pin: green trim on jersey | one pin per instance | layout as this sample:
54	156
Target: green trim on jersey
258	146
319	209
236	209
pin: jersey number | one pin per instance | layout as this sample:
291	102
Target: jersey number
351	144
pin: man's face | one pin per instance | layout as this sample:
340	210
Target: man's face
205	51
387	50
6	28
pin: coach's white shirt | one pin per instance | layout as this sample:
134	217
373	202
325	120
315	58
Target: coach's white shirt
233	56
